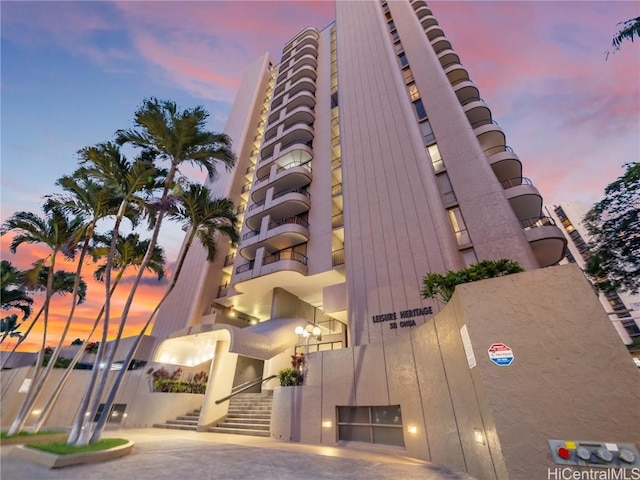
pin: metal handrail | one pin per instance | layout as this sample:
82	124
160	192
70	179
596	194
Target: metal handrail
514	182
498	149
472	99
484	122
251	383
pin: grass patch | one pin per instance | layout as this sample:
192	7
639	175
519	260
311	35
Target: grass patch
61	448
4	435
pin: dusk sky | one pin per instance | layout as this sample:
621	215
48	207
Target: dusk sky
74	72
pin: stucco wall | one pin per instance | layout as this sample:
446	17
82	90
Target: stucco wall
571	379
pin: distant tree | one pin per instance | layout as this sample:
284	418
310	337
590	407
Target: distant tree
630	29
614	226
441	286
77	341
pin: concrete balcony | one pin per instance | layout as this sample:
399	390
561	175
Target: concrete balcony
488	133
504	162
455	72
524	198
279	235
447	56
283	204
298	152
464	89
546	240
298	133
433	32
291	176
476	110
440	44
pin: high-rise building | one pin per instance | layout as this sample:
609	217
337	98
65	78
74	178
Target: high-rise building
621	307
366	159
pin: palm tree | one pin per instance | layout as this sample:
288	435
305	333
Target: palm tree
630	29
165	133
130	252
61	235
133	183
63	283
208	219
13	293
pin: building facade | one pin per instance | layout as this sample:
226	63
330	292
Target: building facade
622	308
366	159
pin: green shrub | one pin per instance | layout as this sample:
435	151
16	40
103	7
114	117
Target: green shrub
290	377
441	286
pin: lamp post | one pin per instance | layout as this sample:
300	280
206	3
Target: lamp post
307	332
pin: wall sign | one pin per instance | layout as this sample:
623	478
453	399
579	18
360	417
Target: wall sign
405	317
500	354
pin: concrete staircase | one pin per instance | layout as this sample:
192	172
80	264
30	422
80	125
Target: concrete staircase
188	421
249	414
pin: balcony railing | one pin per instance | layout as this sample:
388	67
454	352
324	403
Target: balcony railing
245	267
256	205
288	221
535	222
514	182
336	190
246	187
250	169
470	100
335	164
337	221
286	191
229	259
287	254
241	208
222	290
337	257
500	148
250	234
484	122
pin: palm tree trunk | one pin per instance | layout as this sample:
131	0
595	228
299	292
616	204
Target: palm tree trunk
87	432
46	410
56	352
23	337
81	428
102	421
21	418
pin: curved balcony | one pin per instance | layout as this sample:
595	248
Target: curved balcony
306	60
299	133
447	56
290	176
422	11
307	32
504	162
455	72
302	98
280	234
297	152
286	203
418	3
440	44
304	42
465	89
546	240
305	72
488	133
433	32
301	114
524	198
476	110
428	21
284	260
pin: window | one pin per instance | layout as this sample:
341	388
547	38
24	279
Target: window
404	61
381	425
427	133
395	36
413	91
419	107
446	190
398	48
436	158
459	228
408	75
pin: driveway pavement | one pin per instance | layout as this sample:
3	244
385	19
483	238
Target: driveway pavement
183	455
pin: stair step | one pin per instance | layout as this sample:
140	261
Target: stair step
182	422
236	431
188	417
175	427
243	426
250	421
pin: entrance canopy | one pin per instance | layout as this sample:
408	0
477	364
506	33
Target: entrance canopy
197	344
